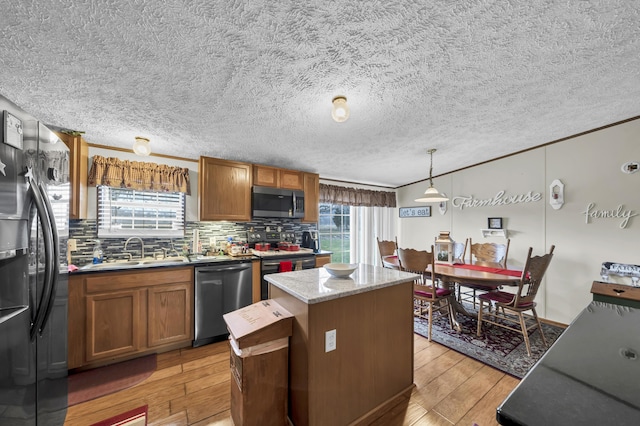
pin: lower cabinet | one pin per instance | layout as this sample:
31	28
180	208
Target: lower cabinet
322	259
122	314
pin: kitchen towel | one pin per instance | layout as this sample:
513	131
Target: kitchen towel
285	266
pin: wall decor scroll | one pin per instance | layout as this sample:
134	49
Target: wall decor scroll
442	206
556	194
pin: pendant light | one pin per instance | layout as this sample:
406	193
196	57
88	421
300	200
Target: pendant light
431	195
340	110
141	146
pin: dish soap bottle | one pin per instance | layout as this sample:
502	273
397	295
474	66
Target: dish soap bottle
97	253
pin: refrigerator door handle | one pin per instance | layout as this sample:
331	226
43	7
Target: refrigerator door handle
55	258
48	251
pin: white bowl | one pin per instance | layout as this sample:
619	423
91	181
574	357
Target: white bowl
341	270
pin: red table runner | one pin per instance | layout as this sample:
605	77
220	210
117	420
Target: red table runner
501	271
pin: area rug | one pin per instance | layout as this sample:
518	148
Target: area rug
135	417
91	384
498	347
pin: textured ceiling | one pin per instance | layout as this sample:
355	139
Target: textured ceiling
253	80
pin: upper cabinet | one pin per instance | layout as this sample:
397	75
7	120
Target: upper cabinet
311	197
78	164
278	178
224	190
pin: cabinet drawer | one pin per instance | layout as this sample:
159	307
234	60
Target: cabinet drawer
109	281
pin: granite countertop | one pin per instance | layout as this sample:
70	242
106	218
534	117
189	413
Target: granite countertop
589	376
316	285
159	263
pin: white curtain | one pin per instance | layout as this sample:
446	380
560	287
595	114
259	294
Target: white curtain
367	223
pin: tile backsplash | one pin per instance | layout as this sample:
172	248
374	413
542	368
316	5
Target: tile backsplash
85	233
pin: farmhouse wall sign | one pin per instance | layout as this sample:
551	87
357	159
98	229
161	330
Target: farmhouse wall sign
500	199
618	213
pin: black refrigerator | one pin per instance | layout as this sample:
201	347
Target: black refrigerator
34	229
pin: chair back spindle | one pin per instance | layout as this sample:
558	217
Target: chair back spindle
488	254
532	274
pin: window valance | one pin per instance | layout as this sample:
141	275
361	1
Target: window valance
138	175
356	197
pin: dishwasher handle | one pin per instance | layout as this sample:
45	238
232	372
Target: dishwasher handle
221	268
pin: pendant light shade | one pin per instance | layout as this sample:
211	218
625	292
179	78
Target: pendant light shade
340	110
431	195
141	146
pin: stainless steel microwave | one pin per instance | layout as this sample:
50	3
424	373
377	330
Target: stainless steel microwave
276	202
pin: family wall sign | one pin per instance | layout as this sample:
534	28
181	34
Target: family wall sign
618	213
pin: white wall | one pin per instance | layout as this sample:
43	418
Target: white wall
590	168
191	202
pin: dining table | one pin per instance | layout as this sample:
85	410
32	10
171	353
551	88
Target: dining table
461	274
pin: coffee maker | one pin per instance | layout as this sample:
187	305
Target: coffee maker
310	240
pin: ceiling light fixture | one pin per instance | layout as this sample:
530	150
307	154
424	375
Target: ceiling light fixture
340	110
431	195
141	146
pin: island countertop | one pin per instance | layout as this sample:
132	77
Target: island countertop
317	285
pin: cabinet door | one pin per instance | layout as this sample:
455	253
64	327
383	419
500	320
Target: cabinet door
266	176
322	260
113	324
170	314
78	164
311	197
224	192
291	179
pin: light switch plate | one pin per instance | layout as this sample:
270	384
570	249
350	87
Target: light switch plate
330	341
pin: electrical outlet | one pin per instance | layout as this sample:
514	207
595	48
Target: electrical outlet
72	244
213	242
330	341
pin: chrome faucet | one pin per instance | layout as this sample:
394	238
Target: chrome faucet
141	245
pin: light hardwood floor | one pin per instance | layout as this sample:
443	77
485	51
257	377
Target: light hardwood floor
191	387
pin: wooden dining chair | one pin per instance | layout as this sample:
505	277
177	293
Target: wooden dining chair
510	307
387	248
492	255
427	296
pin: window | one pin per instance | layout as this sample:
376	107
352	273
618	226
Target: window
128	212
334	231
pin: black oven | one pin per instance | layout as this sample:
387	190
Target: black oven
272	265
276	202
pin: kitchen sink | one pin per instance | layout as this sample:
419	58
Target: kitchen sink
165	260
136	263
112	265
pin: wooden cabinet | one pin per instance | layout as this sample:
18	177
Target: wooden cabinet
256	281
616	294
113	324
291	179
277	178
322	259
122	314
371	365
169	315
266	176
224	190
311	197
78	164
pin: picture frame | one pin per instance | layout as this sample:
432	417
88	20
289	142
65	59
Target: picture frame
422	211
495	223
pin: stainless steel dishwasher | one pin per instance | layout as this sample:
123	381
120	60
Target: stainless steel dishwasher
219	289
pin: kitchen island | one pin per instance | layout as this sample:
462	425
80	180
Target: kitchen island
351	350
